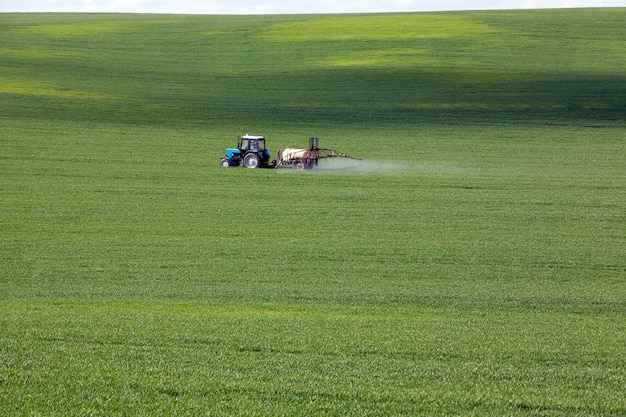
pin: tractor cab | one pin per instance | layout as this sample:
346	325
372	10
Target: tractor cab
251	152
251	143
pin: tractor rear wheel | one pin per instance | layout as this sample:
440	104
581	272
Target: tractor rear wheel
251	160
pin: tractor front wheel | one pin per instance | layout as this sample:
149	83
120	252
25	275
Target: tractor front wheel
224	163
251	161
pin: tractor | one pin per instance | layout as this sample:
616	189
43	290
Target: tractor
250	151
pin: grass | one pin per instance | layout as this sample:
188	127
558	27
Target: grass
472	264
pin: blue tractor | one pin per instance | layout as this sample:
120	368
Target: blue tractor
250	152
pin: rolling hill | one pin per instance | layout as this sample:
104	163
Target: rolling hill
472	264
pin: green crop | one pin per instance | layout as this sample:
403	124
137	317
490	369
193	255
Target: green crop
473	263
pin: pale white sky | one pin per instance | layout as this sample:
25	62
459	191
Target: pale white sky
286	6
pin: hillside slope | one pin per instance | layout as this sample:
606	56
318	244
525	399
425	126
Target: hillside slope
565	65
472	264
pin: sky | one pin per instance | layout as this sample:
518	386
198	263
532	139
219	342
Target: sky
287	6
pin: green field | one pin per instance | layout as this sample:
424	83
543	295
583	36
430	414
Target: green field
473	264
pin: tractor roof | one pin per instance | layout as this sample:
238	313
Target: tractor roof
252	137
